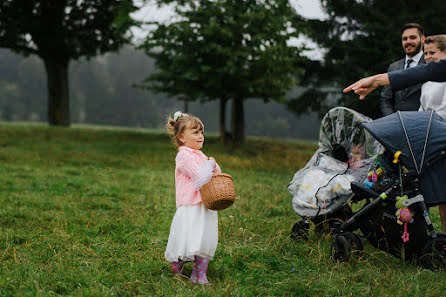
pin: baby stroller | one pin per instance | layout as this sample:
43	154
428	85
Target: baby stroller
321	189
414	163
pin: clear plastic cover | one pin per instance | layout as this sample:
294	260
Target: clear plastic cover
346	153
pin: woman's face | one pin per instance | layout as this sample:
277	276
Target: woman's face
432	53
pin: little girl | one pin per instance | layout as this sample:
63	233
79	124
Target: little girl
194	229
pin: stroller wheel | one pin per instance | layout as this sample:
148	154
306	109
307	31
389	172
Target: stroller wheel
355	241
433	255
339	216
340	248
300	230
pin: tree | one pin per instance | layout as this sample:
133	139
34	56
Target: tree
361	38
22	93
62	30
227	50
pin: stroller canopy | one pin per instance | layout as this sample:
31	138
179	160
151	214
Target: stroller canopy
420	136
341	128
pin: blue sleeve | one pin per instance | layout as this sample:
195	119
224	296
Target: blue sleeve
433	71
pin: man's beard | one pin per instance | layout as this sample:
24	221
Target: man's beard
418	48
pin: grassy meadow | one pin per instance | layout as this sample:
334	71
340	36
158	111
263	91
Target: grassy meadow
86	212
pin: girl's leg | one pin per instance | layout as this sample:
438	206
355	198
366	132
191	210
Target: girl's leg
200	270
177	267
442	210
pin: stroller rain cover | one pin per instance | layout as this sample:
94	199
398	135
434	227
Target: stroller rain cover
346	153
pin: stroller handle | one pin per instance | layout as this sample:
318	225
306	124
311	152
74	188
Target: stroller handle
383	196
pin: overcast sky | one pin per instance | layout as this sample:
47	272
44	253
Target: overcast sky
306	8
150	12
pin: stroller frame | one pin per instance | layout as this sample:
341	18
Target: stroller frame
428	248
432	255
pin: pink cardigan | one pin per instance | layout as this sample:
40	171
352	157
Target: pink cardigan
190	173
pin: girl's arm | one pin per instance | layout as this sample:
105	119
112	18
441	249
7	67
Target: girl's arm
217	168
200	173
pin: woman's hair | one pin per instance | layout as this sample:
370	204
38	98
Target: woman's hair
179	123
439	40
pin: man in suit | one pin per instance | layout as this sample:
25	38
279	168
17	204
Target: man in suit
412	40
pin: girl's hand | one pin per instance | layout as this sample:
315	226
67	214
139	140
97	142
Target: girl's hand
215	163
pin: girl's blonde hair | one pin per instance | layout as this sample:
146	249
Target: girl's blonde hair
182	121
439	40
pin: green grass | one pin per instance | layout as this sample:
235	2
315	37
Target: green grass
86	212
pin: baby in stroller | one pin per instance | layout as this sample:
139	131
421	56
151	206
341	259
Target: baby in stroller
357	155
331	176
346	152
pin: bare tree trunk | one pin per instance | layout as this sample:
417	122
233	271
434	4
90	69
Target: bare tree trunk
223	137
238	122
58	98
186	104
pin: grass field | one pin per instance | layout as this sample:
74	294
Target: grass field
86	212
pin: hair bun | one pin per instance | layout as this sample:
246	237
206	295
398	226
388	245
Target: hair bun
178	115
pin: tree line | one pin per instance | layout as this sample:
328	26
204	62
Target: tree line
227	51
103	92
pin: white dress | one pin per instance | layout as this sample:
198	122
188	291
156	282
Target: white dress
194	231
433	97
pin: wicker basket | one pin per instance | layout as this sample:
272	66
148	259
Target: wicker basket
219	192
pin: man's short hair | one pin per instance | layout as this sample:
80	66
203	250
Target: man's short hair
413	25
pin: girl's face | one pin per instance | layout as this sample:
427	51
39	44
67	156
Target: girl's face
192	137
432	53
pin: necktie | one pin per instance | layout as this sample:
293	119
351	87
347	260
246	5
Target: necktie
409	61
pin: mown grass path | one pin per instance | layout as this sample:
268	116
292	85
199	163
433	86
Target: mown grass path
86	212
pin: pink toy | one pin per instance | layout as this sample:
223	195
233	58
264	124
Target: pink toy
405	215
405	236
372	176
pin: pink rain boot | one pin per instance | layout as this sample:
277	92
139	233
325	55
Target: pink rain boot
199	271
177	267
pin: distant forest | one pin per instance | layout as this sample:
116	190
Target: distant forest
102	92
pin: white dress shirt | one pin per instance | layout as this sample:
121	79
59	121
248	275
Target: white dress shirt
416	59
433	97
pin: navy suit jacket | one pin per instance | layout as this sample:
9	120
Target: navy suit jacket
406	99
433	71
